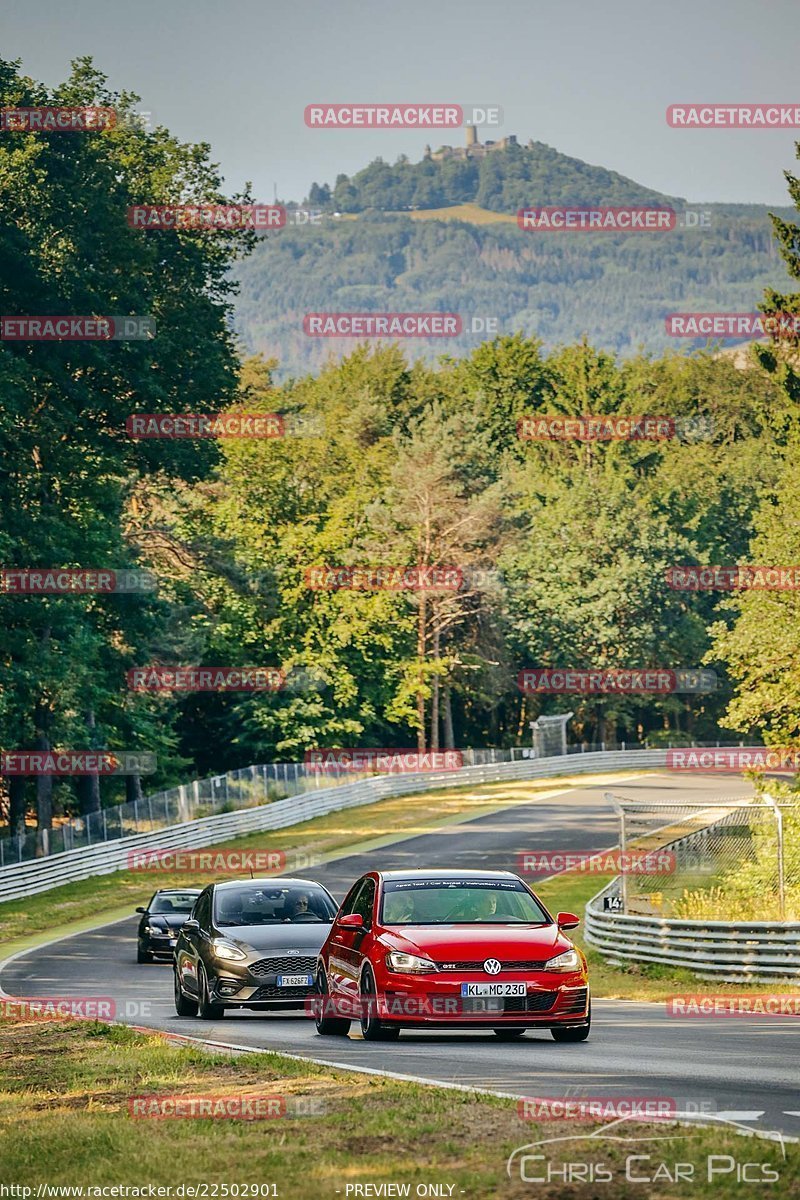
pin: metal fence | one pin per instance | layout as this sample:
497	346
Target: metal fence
723	895
726	858
236	790
41	874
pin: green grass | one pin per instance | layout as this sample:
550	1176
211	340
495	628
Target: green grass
64	1119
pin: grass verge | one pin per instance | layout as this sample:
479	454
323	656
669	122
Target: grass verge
65	1088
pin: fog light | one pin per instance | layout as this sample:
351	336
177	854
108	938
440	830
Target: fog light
227	988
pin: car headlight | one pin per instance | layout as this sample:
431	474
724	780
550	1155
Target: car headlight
409	964
224	949
156	929
568	961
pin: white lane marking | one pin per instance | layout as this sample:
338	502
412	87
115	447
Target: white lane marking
735	1115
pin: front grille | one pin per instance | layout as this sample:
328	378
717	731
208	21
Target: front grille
269	992
511	964
533	1002
574	1003
453	1006
288	964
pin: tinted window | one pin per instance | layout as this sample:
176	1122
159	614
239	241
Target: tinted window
460	902
173	902
351	898
251	904
202	910
364	902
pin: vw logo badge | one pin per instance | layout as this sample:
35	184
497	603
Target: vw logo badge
492	966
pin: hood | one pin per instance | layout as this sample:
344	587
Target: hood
471	943
168	920
287	935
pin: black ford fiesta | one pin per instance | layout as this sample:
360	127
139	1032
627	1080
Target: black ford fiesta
251	944
161	919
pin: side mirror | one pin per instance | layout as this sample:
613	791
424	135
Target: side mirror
141	909
351	921
567	921
191	924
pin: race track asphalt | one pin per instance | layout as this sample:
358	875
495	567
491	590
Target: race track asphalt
744	1068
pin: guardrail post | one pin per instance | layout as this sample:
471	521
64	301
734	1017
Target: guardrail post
623	846
779	830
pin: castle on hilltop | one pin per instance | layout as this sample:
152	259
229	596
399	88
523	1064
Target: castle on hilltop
473	148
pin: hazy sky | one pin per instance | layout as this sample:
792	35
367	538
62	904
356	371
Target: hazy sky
591	78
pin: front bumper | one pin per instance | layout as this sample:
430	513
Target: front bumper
159	945
552	1001
233	984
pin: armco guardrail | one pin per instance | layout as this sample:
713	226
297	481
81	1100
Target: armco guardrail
731	951
28	878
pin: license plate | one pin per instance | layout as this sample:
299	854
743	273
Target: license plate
295	980
493	989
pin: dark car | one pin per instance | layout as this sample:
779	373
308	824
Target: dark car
161	919
251	944
459	949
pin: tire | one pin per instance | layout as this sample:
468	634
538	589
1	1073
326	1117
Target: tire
373	1030
578	1033
143	956
207	1011
184	1007
508	1035
340	1026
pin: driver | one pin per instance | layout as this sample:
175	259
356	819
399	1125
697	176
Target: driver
297	906
480	907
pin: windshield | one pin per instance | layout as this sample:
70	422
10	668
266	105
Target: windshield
471	902
254	905
173	902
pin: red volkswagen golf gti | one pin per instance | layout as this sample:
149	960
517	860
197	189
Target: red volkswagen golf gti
455	949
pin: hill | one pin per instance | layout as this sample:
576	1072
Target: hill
499	178
461	251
